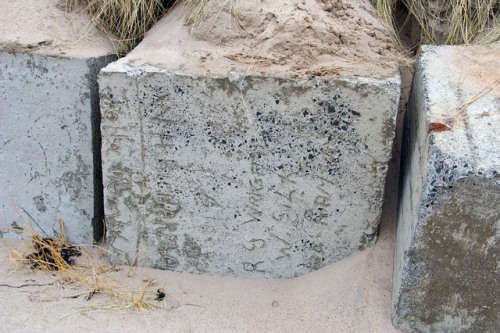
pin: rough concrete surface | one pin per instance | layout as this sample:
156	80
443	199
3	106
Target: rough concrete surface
49	122
236	173
242	175
447	271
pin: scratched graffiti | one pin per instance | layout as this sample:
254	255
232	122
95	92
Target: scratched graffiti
266	184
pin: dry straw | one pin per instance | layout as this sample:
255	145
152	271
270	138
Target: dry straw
124	21
437	21
451	22
196	9
89	279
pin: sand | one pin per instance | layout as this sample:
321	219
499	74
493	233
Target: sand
352	295
46	27
285	38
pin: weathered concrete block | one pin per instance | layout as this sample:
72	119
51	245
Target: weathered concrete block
49	122
447	261
269	173
257	175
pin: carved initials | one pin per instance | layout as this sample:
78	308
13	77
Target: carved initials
256	244
280	217
253	219
284	249
286	178
253	200
249	267
322	201
257	184
288	197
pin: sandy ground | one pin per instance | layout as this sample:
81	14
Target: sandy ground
352	295
46	27
284	38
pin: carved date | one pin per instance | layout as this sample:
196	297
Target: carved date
249	267
255	244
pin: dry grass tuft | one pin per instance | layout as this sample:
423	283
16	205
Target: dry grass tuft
451	22
50	255
385	9
124	21
196	9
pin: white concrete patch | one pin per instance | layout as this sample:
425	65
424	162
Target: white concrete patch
242	175
446	276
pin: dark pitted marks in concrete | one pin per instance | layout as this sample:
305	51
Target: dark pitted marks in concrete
260	176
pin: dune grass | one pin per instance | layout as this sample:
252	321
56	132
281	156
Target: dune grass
88	277
450	22
126	22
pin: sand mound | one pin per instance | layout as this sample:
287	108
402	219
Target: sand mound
275	38
46	27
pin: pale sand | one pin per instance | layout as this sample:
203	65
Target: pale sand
353	295
45	27
278	38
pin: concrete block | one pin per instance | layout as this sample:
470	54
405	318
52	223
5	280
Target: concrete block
447	261
49	123
247	176
264	174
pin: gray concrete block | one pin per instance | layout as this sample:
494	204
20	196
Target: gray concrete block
242	175
46	135
252	149
447	261
49	120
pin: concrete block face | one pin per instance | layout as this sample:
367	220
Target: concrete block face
47	106
241	175
447	271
